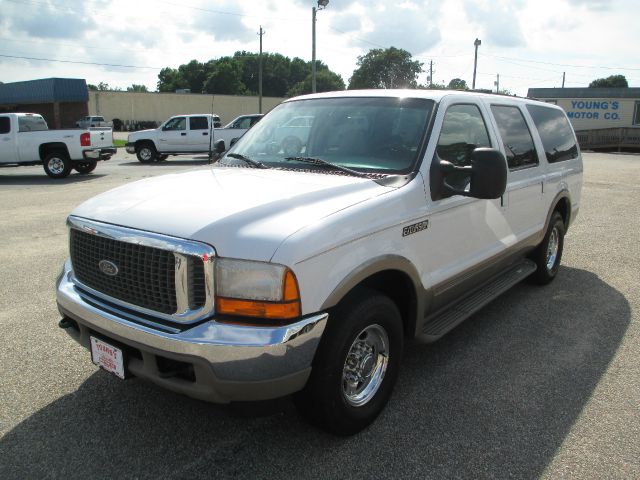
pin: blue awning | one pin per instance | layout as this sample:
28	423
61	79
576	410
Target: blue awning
46	90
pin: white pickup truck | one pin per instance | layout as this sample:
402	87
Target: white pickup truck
279	271
186	134
93	122
25	139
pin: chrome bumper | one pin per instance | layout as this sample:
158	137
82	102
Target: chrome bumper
130	148
231	362
99	153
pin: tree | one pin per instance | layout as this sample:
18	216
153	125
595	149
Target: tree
326	81
614	81
92	87
137	88
458	84
388	68
170	80
226	78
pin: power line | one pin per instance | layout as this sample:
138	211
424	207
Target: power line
79	62
594	67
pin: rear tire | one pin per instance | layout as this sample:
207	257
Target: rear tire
356	365
549	253
83	168
146	153
57	164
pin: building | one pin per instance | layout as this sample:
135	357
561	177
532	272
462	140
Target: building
61	101
601	117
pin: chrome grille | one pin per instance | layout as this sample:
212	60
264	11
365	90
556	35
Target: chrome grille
159	275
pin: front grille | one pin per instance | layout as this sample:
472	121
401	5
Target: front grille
145	277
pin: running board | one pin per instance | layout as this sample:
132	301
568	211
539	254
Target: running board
451	316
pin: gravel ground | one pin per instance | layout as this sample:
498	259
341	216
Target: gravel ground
543	382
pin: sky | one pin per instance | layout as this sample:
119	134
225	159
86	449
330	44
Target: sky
528	43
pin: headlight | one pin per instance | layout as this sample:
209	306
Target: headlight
256	289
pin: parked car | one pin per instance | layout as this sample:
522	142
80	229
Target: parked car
92	122
186	134
25	139
270	274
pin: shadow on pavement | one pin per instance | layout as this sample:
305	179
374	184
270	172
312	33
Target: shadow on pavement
41	178
495	398
170	163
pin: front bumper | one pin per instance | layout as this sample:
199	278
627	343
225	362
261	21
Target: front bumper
99	153
130	147
224	362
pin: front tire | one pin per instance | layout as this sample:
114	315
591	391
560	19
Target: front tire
146	153
84	168
356	365
549	253
57	165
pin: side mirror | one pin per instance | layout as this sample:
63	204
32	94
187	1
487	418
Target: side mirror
234	141
488	174
219	146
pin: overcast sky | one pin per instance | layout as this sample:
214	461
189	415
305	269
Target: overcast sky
530	43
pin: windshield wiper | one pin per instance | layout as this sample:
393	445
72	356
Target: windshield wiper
319	161
251	162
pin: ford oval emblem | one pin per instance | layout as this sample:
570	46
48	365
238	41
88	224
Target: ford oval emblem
108	268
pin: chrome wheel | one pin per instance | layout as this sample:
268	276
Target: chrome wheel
552	248
365	365
146	155
56	165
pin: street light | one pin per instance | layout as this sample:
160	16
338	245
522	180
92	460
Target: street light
477	43
321	5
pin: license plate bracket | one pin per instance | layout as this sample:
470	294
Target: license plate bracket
108	357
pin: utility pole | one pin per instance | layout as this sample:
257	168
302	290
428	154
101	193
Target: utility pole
321	4
563	79
260	72
431	74
477	43
497	83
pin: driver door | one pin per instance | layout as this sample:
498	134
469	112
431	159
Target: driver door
173	137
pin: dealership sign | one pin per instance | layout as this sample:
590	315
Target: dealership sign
594	110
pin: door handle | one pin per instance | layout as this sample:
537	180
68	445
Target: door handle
184	134
205	133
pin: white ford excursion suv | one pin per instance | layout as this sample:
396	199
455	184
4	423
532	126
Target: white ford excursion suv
274	272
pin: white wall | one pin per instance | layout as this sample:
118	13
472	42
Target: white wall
134	106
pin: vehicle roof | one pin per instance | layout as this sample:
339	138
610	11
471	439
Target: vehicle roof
436	95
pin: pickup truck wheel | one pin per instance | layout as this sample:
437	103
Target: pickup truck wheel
356	365
57	165
84	168
549	253
146	153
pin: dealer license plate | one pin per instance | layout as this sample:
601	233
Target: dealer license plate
108	357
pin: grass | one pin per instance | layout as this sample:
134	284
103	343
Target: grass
119	143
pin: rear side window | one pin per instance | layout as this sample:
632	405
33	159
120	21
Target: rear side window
198	123
557	136
5	125
32	123
516	137
463	130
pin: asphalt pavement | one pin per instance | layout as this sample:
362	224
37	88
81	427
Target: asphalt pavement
542	383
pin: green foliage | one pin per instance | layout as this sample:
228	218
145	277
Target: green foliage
137	88
91	87
326	81
238	75
458	84
614	81
388	68
102	87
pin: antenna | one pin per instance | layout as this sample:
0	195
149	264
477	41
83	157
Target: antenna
211	131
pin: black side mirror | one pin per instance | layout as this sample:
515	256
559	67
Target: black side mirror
488	174
219	146
234	141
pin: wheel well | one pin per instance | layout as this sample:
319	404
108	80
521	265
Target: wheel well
140	143
399	288
47	148
562	207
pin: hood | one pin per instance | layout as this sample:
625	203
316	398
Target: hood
241	212
139	133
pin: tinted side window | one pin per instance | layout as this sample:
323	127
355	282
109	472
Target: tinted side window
557	136
463	130
178	123
516	137
198	123
5	125
32	123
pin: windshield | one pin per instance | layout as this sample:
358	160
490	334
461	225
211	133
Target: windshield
381	135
